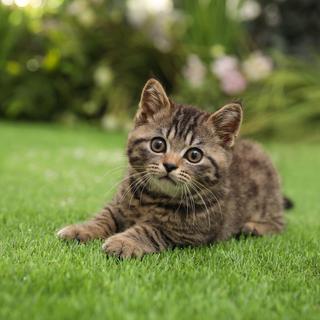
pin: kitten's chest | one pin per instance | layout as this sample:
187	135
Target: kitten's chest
139	211
175	217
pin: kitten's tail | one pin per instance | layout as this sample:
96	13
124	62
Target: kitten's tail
287	203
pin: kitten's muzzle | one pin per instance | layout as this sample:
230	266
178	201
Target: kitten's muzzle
168	178
170	166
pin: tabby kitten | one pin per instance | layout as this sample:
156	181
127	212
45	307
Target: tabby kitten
188	182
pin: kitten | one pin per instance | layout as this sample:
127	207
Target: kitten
189	182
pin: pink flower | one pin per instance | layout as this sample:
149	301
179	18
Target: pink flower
227	71
257	66
233	82
194	71
223	65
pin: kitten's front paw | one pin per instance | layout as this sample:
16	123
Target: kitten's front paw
74	232
249	229
122	247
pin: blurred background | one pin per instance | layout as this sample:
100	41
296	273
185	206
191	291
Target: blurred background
74	61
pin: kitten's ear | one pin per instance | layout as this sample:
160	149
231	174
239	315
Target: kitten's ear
226	122
153	99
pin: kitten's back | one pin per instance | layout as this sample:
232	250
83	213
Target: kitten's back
254	189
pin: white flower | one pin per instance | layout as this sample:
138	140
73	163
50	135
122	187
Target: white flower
33	64
155	18
87	18
22	3
223	65
257	66
159	32
7	2
243	10
233	82
102	76
194	71
250	10
139	11
226	69
81	10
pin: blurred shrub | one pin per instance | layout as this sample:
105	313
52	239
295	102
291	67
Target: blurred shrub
91	58
291	26
81	59
279	96
88	59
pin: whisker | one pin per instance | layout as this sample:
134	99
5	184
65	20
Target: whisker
131	184
211	193
139	182
189	198
146	183
204	203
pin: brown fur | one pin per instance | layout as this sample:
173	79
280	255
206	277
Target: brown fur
233	189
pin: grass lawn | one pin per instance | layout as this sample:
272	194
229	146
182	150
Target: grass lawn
51	176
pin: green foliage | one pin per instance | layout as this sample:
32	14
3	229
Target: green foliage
286	104
208	24
51	176
283	105
291	26
78	59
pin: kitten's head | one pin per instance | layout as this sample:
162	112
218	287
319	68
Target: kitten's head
175	147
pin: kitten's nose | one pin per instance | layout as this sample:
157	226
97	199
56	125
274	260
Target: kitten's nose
170	167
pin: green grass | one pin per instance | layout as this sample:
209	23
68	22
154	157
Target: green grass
51	176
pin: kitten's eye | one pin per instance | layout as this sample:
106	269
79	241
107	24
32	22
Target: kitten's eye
194	155
158	145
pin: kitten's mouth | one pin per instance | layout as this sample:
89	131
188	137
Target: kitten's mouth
168	178
165	185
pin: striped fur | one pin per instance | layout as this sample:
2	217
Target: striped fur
233	189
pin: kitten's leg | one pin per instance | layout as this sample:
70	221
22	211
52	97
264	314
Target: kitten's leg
100	227
263	227
137	241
